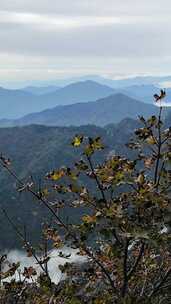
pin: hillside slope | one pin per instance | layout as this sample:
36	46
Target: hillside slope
111	109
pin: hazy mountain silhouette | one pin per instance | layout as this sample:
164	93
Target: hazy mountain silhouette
16	103
40	90
111	109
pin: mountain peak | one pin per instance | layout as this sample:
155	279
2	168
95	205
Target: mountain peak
87	83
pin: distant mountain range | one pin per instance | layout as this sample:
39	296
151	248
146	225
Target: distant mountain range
40	90
145	93
163	81
142	92
114	82
111	109
16	103
122	82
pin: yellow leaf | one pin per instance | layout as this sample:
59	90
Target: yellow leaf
56	174
45	192
140	179
89	219
151	140
97	144
77	140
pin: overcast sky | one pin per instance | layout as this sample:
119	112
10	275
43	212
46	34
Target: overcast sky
49	39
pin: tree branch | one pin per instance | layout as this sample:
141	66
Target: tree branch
134	267
159	147
97	180
125	270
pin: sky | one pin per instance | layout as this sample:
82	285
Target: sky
53	39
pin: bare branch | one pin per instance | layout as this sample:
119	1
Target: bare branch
134	267
125	269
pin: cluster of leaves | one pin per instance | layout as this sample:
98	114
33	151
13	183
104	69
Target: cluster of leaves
126	232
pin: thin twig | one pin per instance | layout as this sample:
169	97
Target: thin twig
100	187
125	269
134	267
26	243
159	147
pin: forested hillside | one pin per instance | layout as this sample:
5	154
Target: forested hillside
36	150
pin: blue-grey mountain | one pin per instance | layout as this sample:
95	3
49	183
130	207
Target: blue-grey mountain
111	109
17	103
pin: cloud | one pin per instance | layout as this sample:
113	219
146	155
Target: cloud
15	256
84	36
164	104
56	22
89	7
